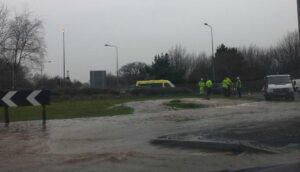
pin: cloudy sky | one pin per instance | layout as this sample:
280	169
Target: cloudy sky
143	28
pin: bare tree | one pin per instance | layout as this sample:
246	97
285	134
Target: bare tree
134	71
177	57
3	27
24	43
287	55
4	63
200	68
257	63
179	62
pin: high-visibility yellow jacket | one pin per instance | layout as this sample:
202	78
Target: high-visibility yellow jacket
201	84
228	82
209	83
224	84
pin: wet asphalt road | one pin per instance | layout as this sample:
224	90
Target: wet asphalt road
121	143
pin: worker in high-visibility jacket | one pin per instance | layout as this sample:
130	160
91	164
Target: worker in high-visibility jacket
208	85
238	86
225	87
201	85
229	84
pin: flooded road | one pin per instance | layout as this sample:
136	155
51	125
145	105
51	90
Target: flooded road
122	143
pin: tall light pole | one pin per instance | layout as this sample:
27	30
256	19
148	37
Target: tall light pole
298	7
212	51
117	58
64	58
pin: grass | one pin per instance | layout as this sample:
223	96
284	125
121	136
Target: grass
83	107
182	105
79	107
70	109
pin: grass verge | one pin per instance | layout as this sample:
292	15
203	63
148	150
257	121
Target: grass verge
93	106
70	109
79	107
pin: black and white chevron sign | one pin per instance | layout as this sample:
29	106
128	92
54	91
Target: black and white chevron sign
24	98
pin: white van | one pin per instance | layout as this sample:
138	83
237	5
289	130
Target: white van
278	86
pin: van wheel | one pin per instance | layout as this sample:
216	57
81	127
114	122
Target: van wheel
267	98
292	98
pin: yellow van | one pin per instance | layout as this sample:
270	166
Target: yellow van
155	83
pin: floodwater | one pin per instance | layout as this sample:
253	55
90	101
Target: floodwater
122	143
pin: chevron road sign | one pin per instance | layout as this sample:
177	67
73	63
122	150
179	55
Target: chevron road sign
24	98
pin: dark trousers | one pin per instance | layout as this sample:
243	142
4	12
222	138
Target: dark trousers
208	92
229	92
225	92
239	91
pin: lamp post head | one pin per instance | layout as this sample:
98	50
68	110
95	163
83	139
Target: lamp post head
109	45
205	24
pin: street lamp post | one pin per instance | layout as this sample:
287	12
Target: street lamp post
64	58
212	51
298	8
117	60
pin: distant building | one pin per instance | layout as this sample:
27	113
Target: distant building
98	79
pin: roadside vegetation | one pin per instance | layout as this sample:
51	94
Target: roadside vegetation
85	104
71	109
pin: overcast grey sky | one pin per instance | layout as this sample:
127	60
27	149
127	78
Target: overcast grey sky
144	28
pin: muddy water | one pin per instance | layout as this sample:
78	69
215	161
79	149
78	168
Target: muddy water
121	143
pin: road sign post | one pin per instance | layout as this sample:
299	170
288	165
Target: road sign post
24	98
6	115
44	114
